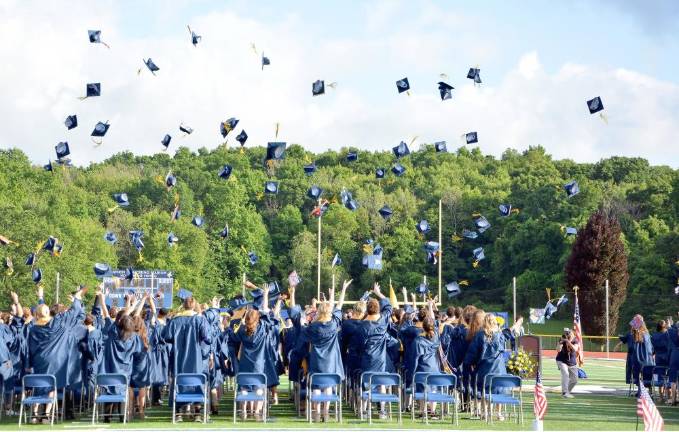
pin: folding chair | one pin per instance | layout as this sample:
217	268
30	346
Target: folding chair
114	388
245	390
446	384
43	383
418	378
659	378
323	381
190	388
300	392
497	393
377	380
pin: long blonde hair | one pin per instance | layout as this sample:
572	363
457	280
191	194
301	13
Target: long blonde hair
490	326
323	311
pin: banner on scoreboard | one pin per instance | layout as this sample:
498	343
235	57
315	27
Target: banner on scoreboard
158	283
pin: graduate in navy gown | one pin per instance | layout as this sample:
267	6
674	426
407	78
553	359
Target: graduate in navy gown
661	344
426	347
673	373
159	356
141	360
351	340
215	376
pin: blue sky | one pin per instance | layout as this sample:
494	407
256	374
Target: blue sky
540	61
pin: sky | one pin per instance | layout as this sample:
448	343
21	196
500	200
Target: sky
540	62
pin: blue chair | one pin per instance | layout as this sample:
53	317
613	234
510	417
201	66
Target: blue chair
245	390
503	390
43	384
374	382
660	378
323	381
189	388
110	388
418	378
442	389
300	391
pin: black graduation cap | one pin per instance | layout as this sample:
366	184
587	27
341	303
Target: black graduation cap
471	137
336	260
314	192
310	169
194	37
505	209
225	232
166	140
197	221
398	169
36	275
422	289
351	205
71	122
152	66
170	180
48	167
62	150
379	173
474	74
265	61
401	150
121	199
482	223
445	90
51	244
94	35
253	258
403	85
472	235
102	270
318	88
432	249
186	129
30	259
453	289
135	238
275	150
440	147
242	137
423	226
172	239
225	172
386	212
110	237
352	156
271	187
129	273
572	188
227	126
571	231
478	254
100	129
595	105
92	90
176	213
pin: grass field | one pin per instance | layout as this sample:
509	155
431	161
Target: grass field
601	403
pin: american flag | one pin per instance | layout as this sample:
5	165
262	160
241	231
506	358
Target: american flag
539	400
577	331
646	409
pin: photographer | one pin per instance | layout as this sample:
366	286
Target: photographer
566	361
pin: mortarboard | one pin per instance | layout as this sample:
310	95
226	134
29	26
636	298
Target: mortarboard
121	199
71	122
351	205
92	90
481	223
423	226
197	221
562	301
100	129
30	259
386	212
471	137
225	172
238	303
549	310
379	173
253	258
310	169
129	274
186	129
403	85
348	200
470	234
373	261
227	126
432	249
440	146
62	150
110	237
401	150
135	238
365	296
314	192
445	90
571	231
95	37
183	294
194	37
474	74
595	105
422	289
102	270
224	233
572	188
172	239
318	88
275	150
265	61
36	275
336	260
170	180
151	66
48	167
352	156
166	140
50	244
505	209
176	213
271	187
398	169
242	137
478	254
453	289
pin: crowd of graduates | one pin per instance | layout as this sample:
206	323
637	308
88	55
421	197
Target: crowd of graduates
271	335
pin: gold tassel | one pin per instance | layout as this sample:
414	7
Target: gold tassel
112	209
456	238
278	125
604	117
475	264
549	294
515	211
463	282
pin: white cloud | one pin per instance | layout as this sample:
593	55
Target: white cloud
202	86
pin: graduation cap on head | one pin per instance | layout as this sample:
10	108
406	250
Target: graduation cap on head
110	237
505	209
314	192
386	212
166	141
265	61
310	169
30	259
253	258
445	90
453	289
92	90
170	180
227	126
102	270
440	147
224	233
379	173
398	169
481	223
318	88
197	221
572	188
472	235
183	294
36	275
225	172
242	137
423	226
121	199
71	122
471	137
172	239
151	66
186	129
194	37
595	105
275	150
336	260
271	187
352	156
62	150
401	150
402	85
474	74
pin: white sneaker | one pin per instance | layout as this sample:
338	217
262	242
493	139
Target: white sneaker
568	396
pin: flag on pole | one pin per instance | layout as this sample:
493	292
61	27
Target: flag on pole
577	331
392	296
539	400
647	410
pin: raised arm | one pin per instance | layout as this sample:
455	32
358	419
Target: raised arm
102	303
405	296
291	292
139	305
265	300
331	298
41	295
16	304
345	285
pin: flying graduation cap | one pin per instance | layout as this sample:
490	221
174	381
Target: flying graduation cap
227	126
265	61
472	235
36	275
95	37
121	199
386	212
253	258
198	221
318	87
380	173
398	170
402	85
423	226
151	66
242	137
471	137
31	259
481	223
401	150
432	249
166	141
453	289
440	147
314	192
336	260
170	181
271	187
570	231
474	74
505	209
310	168
135	239
102	270
373	259
352	156
478	256
62	150
224	233
275	150
445	90
172	239
422	289
186	129
71	122
194	37
110	238
225	172
595	106
572	188
91	90
99	130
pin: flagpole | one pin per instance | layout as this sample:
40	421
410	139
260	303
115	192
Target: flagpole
318	251
242	285
440	250
608	352
514	297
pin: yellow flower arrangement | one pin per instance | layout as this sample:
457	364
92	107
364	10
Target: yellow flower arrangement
520	363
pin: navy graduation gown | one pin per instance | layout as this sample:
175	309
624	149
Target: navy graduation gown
661	348
300	347
118	354
324	352
159	356
374	340
352	345
186	333
252	356
486	356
